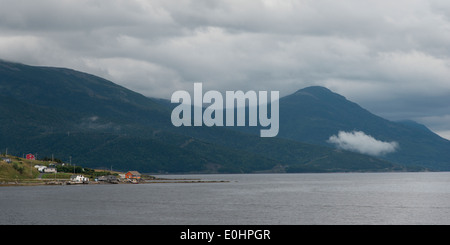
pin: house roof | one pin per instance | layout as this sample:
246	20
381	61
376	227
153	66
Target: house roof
76	175
134	172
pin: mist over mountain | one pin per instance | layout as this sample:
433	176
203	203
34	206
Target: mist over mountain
47	110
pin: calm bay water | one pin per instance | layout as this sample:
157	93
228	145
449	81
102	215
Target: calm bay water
247	199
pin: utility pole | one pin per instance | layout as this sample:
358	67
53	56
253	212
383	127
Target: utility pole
70	157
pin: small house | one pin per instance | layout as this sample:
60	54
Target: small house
6	159
40	168
108	179
50	170
79	178
132	175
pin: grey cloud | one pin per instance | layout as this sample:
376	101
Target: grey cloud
388	56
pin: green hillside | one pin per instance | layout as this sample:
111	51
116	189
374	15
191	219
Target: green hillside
18	169
100	124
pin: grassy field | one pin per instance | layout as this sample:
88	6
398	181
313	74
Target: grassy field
19	169
23	170
56	176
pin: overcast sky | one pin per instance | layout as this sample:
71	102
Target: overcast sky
391	57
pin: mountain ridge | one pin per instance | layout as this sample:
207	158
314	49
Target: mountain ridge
317	120
99	123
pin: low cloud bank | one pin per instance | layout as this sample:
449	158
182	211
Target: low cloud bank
360	142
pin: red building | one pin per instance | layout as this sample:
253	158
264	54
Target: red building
132	175
30	157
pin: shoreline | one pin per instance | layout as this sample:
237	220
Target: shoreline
67	182
41	182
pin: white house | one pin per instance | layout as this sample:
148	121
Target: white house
45	169
79	178
40	168
50	170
